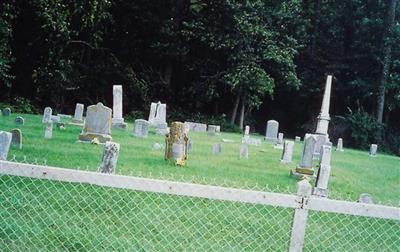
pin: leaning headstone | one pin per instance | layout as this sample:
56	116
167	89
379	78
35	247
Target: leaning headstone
6	112
373	150
16	139
365	198
97	124
244	151
306	164
158	113
78	115
196	127
162	128
47	115
297	139
5	142
279	142
212	130
216	149
110	157
287	152
271	133
324	171
141	128
48	131
176	144
117	120
339	146
19	120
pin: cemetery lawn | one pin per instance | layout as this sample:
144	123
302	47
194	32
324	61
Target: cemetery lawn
353	171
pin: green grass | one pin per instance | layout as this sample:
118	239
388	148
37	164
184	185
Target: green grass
57	216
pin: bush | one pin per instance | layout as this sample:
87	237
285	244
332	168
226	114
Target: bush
20	105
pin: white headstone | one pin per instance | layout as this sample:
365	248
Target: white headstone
5	142
279	142
97	124
196	127
117	120
287	152
212	130
247	130
324	171
141	128
373	150
162	128
110	157
158	113
47	115
339	146
216	149
78	115
48	131
244	151
271	133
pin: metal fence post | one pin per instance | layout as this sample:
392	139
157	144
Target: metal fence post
300	217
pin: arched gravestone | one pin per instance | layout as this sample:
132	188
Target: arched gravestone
271	133
141	128
97	124
16	139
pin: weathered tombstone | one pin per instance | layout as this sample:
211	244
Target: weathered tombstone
97	124
48	131
47	115
297	139
339	146
6	112
244	151
287	152
212	130
279	142
117	120
216	149
158	113
176	144
324	171
78	115
162	128
321	140
306	163
16	138
271	133
141	128
19	120
247	130
110	157
196	127
365	198
373	150
5	142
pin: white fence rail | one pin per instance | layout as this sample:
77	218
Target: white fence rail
229	219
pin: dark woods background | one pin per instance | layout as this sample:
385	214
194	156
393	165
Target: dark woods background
218	61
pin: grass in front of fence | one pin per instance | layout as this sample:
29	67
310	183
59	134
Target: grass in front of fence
353	171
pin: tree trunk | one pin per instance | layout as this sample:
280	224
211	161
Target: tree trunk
242	109
235	107
386	55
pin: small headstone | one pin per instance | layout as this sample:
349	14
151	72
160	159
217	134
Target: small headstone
157	146
324	171
117	119
373	150
216	149
110	157
247	130
19	120
196	127
162	128
287	152
244	151
306	164
5	142
56	119
141	128
279	142
212	130
271	133
6	112
320	140
16	139
78	115
97	124
297	139
365	198
339	146
47	115
48	131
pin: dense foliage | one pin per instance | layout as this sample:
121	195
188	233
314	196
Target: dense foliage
233	62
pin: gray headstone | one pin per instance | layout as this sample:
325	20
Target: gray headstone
297	139
320	140
339	146
6	112
158	113
48	131
97	124
308	150
212	130
162	128
287	152
197	127
141	128
250	141
373	150
324	171
244	151
216	149
47	115
271	133
19	120
16	139
279	142
365	198
78	115
5	141
56	119
110	157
